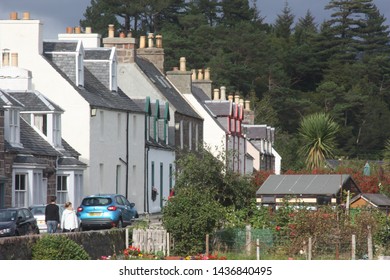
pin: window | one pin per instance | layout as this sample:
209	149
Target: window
101	125
20	190
196	137
161	182
170	176
62	189
119	132
40	122
14	123
152	174
57	130
190	136
181	135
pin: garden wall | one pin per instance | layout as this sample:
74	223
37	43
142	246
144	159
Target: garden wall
96	243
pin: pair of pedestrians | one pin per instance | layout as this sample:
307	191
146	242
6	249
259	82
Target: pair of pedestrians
68	221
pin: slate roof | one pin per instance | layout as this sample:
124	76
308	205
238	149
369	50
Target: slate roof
32	142
256	132
59	46
164	86
94	91
199	94
321	184
97	54
8	100
378	199
219	108
34	101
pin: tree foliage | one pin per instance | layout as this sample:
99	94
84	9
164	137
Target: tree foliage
292	67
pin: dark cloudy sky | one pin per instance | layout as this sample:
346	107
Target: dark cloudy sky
56	15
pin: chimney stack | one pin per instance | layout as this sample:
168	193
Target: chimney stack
230	97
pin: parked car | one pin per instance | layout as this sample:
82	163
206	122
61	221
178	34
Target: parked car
106	211
17	221
39	213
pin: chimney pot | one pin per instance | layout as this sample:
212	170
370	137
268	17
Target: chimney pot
69	30
142	41
193	77
88	29
182	64
5	58
241	102
207	74
230	97
150	40
200	74
216	94
223	93
247	105
14	59
77	30
13	15
175	68
111	33
26	15
236	98
159	41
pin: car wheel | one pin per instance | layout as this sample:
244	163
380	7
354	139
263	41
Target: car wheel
136	215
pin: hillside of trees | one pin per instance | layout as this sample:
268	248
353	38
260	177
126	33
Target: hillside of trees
289	69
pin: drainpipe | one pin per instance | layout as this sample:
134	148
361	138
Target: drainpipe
127	154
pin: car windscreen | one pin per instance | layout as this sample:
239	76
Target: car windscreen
7	215
96	201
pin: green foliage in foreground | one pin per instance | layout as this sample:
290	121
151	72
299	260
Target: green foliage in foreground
58	247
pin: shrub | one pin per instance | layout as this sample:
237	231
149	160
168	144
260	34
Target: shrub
58	247
189	216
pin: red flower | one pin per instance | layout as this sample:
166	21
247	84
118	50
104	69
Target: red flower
277	228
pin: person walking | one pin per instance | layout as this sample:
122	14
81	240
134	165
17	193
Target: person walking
69	222
52	215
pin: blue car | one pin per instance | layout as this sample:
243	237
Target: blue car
106	211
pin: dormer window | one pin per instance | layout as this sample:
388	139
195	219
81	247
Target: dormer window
50	126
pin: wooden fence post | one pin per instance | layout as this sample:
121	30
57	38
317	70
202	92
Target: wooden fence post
369	243
309	249
127	238
207	244
257	249
248	239
168	244
353	253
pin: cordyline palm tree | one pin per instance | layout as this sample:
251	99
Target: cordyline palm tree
318	132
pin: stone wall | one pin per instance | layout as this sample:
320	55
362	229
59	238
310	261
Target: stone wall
96	243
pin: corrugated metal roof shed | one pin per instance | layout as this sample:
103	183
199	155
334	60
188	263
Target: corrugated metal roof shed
323	184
